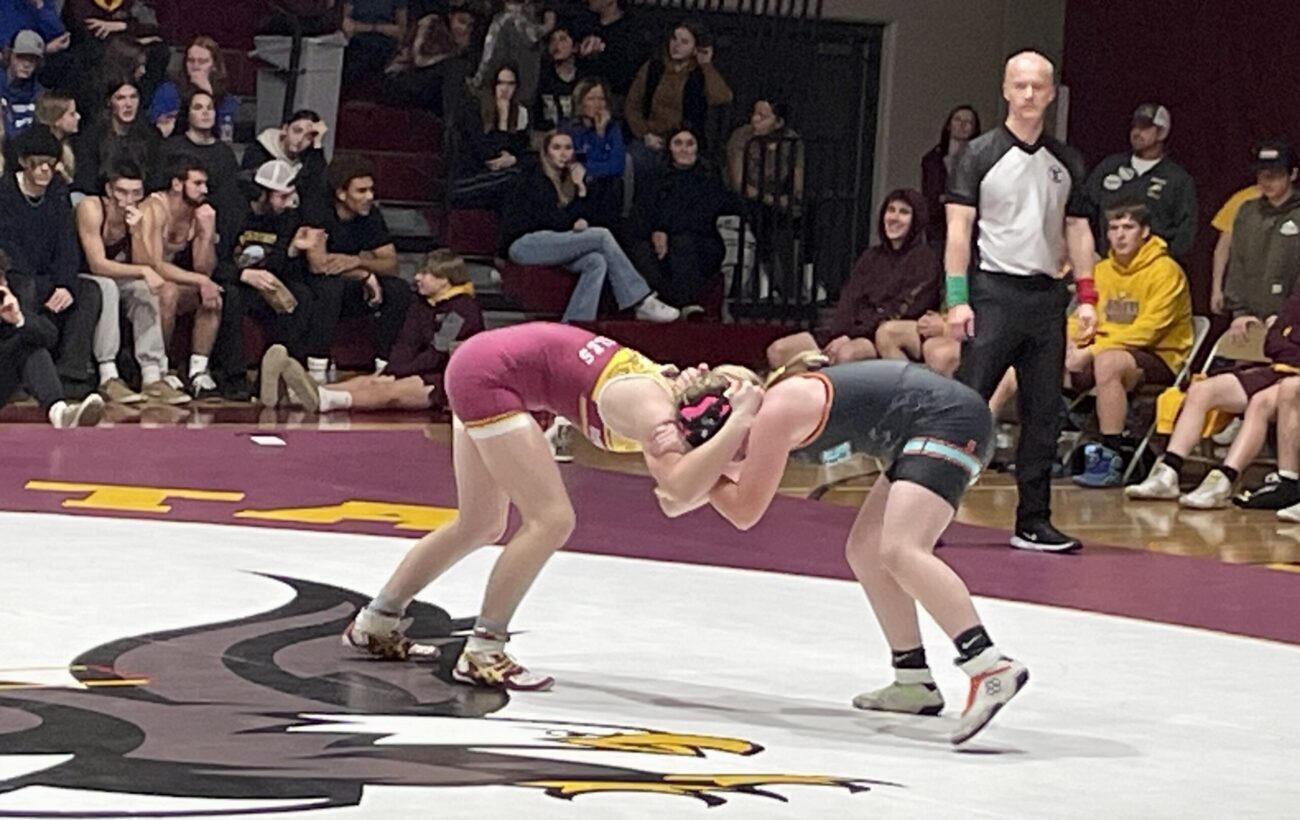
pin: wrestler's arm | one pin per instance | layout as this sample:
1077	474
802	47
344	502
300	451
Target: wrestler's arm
744	501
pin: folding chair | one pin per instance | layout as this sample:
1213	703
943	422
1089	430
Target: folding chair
1200	331
1249	350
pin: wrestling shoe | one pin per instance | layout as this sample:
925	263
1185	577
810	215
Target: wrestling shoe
990	690
497	670
1276	494
1160	485
381	636
1214	493
903	698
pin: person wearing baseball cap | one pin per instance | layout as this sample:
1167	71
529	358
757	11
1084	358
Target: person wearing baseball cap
18	85
1146	173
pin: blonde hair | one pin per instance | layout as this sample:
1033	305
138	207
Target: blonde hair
446	264
561	179
51	106
720	378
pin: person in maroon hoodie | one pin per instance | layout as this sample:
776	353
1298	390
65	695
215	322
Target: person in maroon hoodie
445	315
900	278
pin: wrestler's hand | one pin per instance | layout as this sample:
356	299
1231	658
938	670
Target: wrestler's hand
745	399
961	322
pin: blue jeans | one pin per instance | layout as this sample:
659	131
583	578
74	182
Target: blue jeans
594	255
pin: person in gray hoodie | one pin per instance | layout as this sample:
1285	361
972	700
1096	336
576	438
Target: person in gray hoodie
296	142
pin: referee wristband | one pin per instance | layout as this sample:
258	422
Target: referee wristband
956	290
1085	290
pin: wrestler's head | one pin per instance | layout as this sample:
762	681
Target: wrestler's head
703	406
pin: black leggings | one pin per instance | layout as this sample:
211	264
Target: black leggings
26	364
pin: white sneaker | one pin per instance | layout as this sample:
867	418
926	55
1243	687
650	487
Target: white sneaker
1160	485
653	310
1228	434
559	436
903	698
1291	513
1215	493
85	413
990	690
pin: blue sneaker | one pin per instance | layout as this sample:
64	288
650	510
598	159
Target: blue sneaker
1102	467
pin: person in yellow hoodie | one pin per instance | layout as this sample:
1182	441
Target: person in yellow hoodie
1143	336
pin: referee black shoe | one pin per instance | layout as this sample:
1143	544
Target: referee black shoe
1041	536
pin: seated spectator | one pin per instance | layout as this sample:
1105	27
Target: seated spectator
765	165
123	60
118	133
177	238
1282	494
298	143
559	77
374	29
26	338
445	314
105	226
98	27
961	126
1264	261
37	233
1250	389
1222	222
1147	174
40	16
599	147
492	145
512	38
547	224
924	340
204	70
610	45
898	279
430	69
164	118
269	257
354	265
686	251
18	85
1143	336
58	112
678	87
197	138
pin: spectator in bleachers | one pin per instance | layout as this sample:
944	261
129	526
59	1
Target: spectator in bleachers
513	38
37	233
599	147
1264	261
493	143
375	29
105	225
165	118
686	251
177	238
765	165
124	61
18	85
900	278
298	143
555	89
547	224
354	265
1143	336
1222	222
57	111
1250	389
961	126
1282	494
204	70
430	69
96	24
196	137
445	314
269	257
611	45
26	338
40	16
680	86
118	133
1147	173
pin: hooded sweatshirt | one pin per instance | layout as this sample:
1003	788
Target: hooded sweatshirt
667	93
1264	263
1145	304
887	282
311	183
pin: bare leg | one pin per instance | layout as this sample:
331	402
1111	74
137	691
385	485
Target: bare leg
168	301
786	348
1005	392
895	609
1288	425
856	350
942	355
1254	428
380	393
1116	373
207	322
899	339
1223	392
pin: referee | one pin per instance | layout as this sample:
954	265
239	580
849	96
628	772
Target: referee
1026	191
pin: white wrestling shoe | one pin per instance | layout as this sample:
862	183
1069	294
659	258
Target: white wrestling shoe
990	690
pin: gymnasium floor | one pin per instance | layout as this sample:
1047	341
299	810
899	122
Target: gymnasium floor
171	600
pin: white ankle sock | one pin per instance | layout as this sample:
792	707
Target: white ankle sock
331	400
913	676
198	364
1291	475
380	364
56	413
150	373
107	370
317	368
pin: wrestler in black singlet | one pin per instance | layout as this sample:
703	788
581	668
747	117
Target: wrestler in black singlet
932	430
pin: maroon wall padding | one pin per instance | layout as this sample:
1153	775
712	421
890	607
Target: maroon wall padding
1224	70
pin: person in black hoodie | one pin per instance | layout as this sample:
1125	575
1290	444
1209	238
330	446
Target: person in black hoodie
118	133
297	142
196	136
896	279
685	251
546	224
38	233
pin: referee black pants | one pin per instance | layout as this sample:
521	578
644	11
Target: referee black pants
1020	323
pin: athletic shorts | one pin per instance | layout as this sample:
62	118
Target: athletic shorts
1153	369
946	456
1258	378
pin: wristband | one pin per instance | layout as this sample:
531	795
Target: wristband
1086	292
956	289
